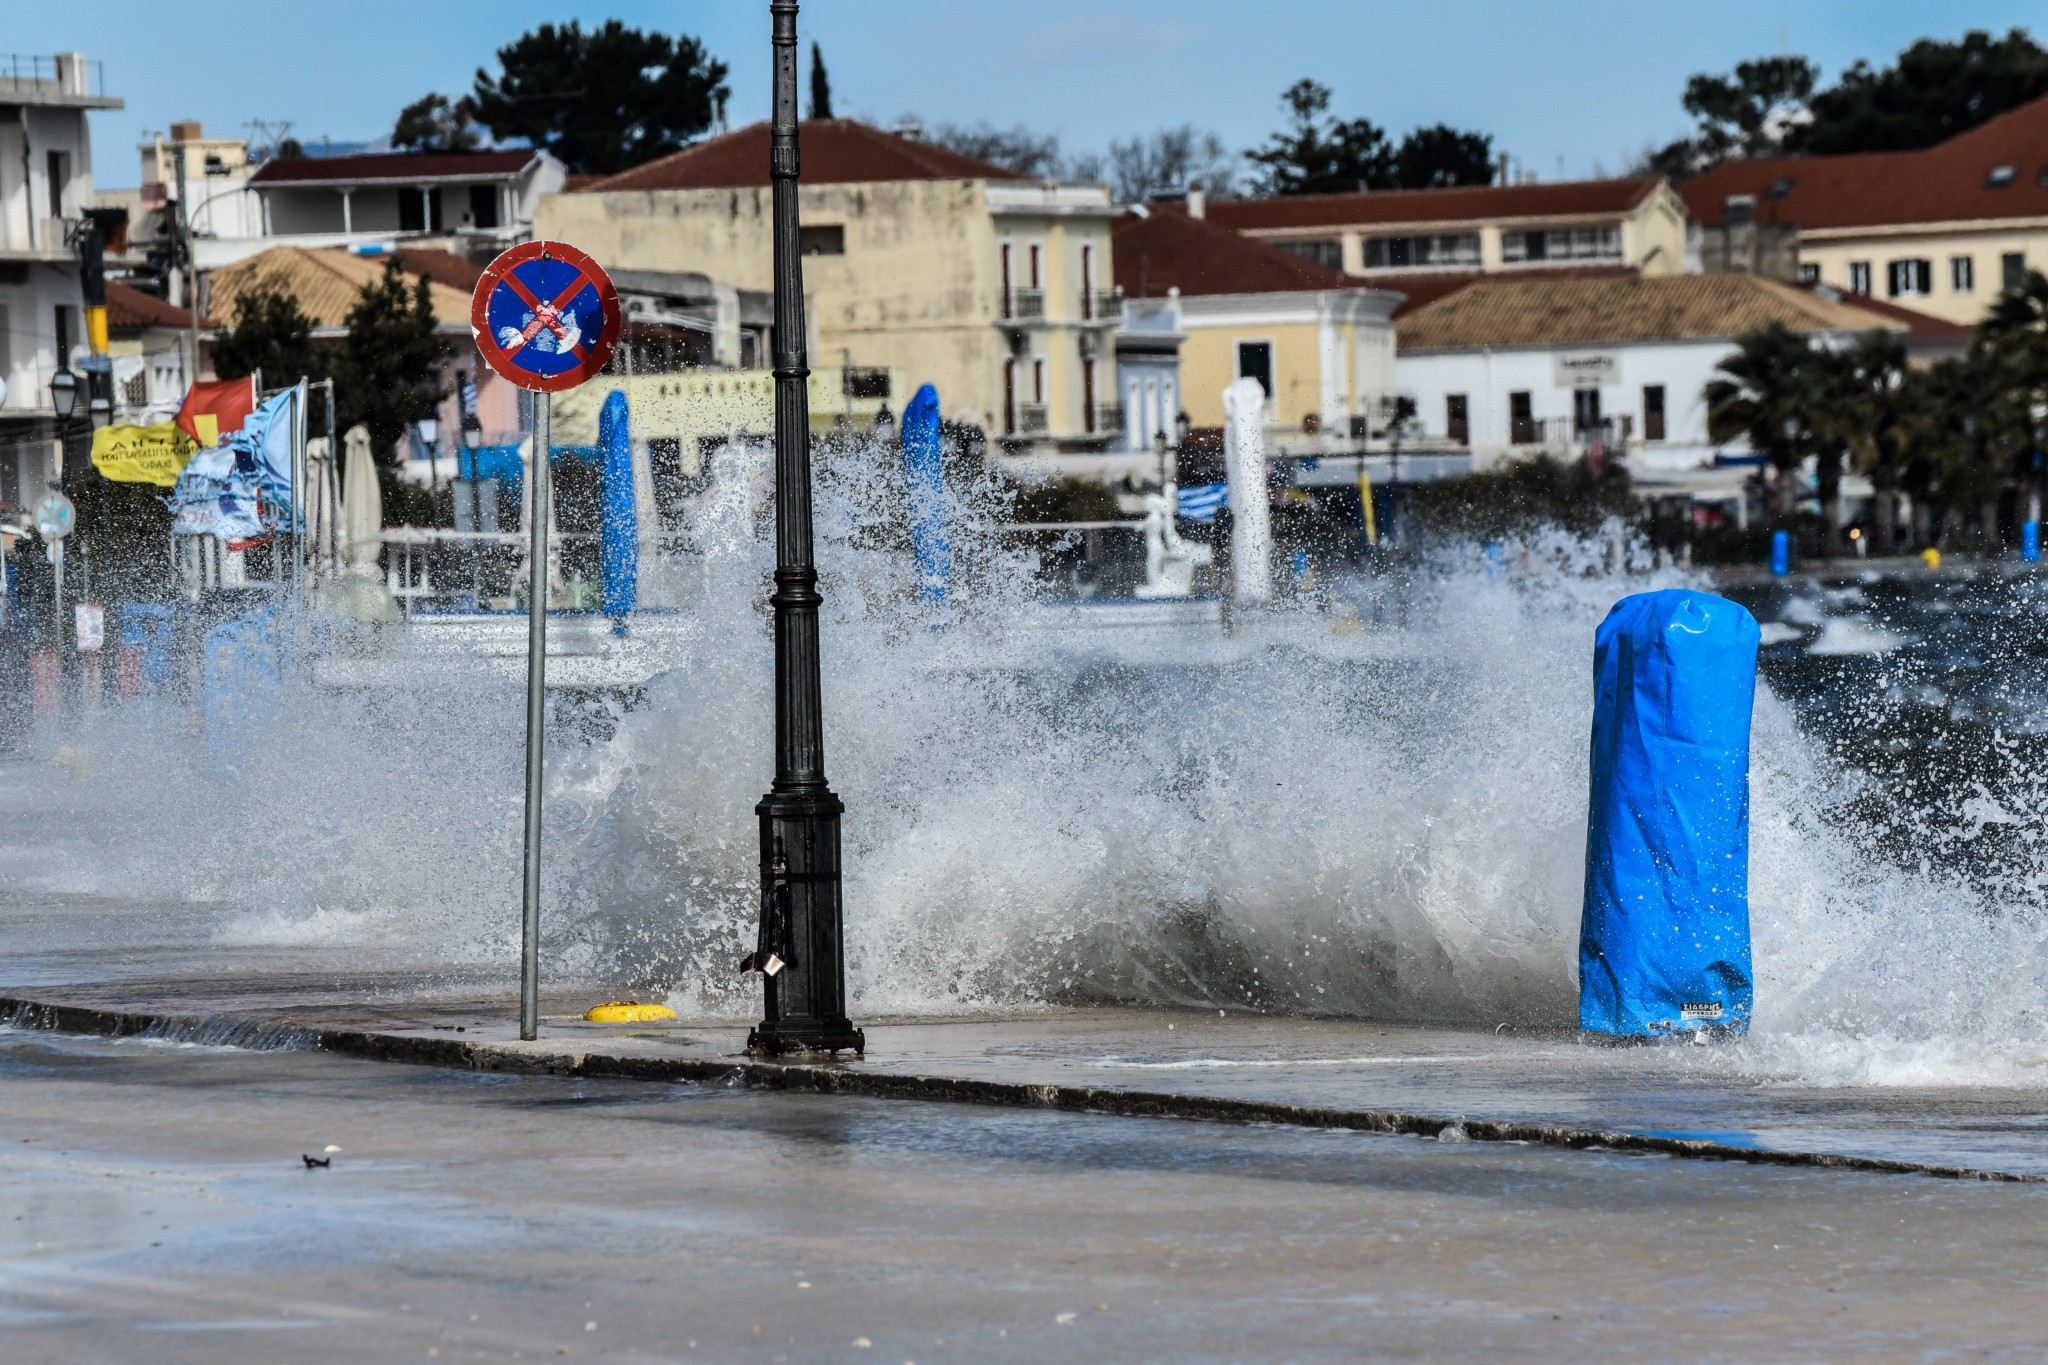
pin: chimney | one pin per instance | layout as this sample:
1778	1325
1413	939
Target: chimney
1198	202
188	131
1502	178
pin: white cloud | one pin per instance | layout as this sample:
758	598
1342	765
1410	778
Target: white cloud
1098	40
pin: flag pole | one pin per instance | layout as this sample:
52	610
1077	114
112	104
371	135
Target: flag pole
536	710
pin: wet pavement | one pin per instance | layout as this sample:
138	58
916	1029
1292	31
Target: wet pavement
154	1206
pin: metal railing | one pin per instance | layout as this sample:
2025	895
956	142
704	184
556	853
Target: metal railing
1106	305
1025	303
1032	419
1109	417
1559	432
24	74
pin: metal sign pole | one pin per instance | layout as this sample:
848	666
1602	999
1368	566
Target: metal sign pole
536	708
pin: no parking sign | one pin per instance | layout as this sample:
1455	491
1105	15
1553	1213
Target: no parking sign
545	316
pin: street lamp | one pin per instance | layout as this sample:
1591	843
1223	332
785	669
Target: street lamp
101	409
64	394
1159	449
800	951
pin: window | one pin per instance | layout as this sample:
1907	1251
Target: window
58	172
1909	278
1457	424
1809	272
1780	187
483	206
1562	244
1521	421
419	210
2012	271
1087	281
1962	274
1434	249
1037	252
865	381
1255	361
1009	297
2001	176
1585	410
828	240
1088	395
1653	412
1859	277
1009	387
1038	381
1738	209
1322	250
64	334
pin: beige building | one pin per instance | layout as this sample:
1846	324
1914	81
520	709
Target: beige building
1392	235
1944	230
1321	345
918	262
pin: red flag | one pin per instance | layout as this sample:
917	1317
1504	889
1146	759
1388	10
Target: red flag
211	410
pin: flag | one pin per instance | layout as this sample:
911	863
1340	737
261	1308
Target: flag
1202	501
153	454
214	407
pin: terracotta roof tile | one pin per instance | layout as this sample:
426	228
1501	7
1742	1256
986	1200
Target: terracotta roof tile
1950	182
131	310
392	166
1418	289
1551	312
443	267
835	151
1165	249
1462	203
326	284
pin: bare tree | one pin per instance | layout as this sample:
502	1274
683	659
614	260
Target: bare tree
1178	156
1018	149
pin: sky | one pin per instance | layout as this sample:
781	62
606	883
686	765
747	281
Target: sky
1567	90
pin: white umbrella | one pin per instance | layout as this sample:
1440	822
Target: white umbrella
362	505
321	530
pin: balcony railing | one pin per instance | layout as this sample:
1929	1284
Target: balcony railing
1025	303
1031	419
1557	433
22	74
1109	418
1106	305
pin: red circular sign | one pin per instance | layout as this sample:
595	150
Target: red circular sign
545	316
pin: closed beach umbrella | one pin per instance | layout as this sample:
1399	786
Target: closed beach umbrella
362	504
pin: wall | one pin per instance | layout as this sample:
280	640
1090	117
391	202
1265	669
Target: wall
1984	244
916	289
1488	377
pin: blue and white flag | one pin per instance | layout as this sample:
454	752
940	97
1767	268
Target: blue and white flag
1202	501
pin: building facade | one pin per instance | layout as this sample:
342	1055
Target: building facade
46	188
1319	343
918	261
1390	235
1943	231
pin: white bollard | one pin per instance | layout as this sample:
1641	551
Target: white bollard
1244	464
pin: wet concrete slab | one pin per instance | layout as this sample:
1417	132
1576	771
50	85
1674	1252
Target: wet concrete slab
1551	1088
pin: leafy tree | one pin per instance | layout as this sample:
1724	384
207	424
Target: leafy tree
602	100
1441	155
1764	394
1016	149
271	333
1934	91
1172	156
434	123
1315	156
386	376
821	86
1750	112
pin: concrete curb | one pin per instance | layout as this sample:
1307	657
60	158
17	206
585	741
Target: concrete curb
228	1030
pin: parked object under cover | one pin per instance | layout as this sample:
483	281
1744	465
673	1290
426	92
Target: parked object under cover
1664	939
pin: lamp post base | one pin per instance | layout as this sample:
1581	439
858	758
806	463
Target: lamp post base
780	1038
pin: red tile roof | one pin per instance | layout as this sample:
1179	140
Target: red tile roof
1461	203
393	166
835	151
1950	182
1917	324
1420	289
445	267
131	310
1163	249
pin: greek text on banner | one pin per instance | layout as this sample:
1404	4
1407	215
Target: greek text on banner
142	454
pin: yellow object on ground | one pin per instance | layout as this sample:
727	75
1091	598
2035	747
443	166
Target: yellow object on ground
627	1012
1931	558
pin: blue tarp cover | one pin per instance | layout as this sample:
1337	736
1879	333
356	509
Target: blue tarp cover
1664	940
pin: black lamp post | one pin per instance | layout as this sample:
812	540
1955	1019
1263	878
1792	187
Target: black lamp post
800	952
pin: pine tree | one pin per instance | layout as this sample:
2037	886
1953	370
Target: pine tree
387	373
821	86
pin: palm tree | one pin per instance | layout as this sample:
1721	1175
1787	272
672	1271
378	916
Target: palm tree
1964	418
2015	334
1867	395
1764	393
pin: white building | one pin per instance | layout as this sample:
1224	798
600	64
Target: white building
1519	367
45	190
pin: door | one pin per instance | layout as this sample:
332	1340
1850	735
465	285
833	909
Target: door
1585	412
1521	420
1457	422
1255	361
